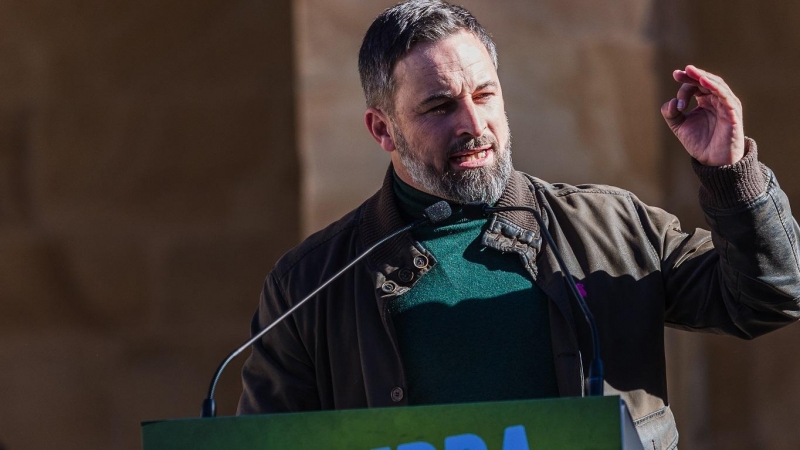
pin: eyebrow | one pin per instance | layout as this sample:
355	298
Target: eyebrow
448	94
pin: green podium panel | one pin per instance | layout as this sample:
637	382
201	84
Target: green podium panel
562	423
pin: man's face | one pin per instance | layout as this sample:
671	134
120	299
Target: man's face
449	128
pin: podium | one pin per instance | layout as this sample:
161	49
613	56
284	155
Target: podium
560	423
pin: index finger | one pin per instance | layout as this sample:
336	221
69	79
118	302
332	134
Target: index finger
682	77
711	82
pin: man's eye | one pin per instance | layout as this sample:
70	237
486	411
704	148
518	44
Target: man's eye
440	109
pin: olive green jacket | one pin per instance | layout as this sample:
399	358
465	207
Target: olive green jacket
640	271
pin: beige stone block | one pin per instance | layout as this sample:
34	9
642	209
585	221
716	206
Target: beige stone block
98	282
776	394
37	289
773	127
687	381
22	71
576	118
55	388
127	129
163	46
752	389
219	163
620	116
342	164
15	202
113	281
341	144
210	285
168	378
568	19
766	34
153	114
89	391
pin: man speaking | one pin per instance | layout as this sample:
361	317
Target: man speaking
478	309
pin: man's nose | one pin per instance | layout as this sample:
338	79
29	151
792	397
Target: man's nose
470	120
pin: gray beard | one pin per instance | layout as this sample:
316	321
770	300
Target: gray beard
483	184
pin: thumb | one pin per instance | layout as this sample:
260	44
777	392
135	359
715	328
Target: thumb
672	114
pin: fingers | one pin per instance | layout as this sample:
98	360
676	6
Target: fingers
681	76
711	82
672	114
685	94
698	82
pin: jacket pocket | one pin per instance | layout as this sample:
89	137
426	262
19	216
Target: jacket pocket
657	430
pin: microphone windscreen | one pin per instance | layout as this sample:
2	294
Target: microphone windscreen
438	212
474	210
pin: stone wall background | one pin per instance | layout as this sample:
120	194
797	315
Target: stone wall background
583	84
148	181
730	393
156	158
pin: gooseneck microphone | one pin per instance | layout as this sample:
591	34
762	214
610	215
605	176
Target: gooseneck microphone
432	215
479	210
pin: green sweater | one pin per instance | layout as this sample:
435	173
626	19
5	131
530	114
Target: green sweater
475	327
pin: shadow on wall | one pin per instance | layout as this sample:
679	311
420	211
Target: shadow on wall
148	182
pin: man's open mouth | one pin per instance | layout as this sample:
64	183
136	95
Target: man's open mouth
473	158
470	157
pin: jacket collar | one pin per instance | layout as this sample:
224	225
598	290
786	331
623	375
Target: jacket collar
514	231
511	231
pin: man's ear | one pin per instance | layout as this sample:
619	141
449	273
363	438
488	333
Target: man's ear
378	125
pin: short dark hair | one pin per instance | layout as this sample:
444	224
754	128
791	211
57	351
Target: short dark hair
395	32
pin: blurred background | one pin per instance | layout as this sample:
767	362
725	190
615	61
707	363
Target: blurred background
156	158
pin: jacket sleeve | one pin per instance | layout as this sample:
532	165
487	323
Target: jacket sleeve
742	278
279	375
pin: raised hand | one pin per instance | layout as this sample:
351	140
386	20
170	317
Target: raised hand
712	132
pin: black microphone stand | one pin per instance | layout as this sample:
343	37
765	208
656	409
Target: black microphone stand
433	214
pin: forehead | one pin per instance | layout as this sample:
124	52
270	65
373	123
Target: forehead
458	61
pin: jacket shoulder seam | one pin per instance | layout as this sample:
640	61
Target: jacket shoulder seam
310	245
789	236
636	211
563	190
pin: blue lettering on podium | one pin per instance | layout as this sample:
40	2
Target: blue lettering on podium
464	442
416	446
514	438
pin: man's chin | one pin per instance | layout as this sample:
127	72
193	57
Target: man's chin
483	183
